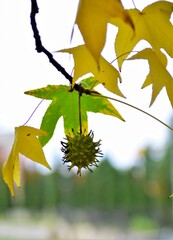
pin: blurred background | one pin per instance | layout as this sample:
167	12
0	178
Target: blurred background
110	203
127	196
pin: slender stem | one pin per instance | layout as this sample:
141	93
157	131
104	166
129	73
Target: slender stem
133	3
38	106
33	112
126	53
80	117
132	106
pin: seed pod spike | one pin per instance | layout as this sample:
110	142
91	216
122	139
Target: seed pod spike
81	151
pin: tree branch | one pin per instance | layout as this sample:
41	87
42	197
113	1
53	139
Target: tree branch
39	47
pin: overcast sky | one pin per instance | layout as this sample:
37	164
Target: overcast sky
22	68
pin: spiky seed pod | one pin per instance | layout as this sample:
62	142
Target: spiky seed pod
81	151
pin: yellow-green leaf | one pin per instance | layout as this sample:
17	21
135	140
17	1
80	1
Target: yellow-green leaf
158	76
92	19
85	63
65	103
151	24
170	196
25	143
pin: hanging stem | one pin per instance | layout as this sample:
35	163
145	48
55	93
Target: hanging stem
33	112
38	106
95	94
80	117
133	3
123	54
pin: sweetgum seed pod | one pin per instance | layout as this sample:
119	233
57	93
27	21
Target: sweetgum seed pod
81	151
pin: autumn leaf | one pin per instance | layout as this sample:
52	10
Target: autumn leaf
92	19
158	76
85	63
151	24
66	104
171	195
27	144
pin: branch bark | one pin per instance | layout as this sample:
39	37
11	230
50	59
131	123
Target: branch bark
38	43
41	49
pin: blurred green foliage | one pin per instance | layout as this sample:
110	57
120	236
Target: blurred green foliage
142	190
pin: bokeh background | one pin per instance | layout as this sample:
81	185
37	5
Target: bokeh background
127	196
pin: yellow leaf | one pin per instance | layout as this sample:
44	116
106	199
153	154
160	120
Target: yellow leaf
92	18
85	63
159	77
151	24
26	143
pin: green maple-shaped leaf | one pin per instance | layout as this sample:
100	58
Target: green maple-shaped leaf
66	104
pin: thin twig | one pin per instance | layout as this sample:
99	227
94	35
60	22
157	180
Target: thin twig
133	3
33	112
39	47
95	94
38	105
126	53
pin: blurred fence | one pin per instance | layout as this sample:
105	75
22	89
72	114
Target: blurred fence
142	190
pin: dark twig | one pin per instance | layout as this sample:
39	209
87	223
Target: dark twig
39	47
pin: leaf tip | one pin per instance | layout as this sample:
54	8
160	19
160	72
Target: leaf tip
170	196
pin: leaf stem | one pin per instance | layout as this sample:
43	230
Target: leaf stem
33	112
78	88
95	94
126	53
38	106
80	118
133	3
